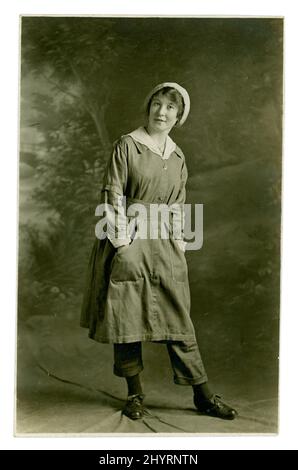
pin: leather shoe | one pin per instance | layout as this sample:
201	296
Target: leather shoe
215	407
134	407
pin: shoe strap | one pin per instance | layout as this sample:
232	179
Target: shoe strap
136	395
215	398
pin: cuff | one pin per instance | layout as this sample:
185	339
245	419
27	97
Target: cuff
116	242
182	244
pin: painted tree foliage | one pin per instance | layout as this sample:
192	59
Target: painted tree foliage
83	81
71	62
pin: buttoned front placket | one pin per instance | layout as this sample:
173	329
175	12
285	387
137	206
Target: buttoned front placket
164	181
156	243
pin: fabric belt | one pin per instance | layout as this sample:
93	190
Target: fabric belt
153	217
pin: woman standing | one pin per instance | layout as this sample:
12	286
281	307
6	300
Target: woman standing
137	287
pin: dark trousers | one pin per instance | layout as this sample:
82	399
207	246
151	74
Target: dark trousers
185	357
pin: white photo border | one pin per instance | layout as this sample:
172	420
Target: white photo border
286	439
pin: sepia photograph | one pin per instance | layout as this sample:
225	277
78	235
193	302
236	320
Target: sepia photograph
149	220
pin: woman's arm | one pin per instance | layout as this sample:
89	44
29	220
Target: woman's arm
114	187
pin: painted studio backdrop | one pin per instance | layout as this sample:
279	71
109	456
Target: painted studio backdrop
83	81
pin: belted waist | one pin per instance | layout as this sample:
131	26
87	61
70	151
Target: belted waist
149	207
155	215
125	215
131	200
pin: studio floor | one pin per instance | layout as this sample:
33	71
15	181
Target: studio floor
66	387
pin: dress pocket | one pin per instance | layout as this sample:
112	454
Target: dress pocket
126	264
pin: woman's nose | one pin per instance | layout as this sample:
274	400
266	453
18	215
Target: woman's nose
162	110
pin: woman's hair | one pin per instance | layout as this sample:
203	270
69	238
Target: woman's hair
173	95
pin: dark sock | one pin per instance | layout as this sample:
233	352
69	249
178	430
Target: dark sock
134	385
202	391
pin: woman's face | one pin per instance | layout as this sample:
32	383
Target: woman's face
162	114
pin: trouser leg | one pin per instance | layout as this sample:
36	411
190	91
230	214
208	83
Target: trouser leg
128	359
186	362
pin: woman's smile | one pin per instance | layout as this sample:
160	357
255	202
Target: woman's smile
160	120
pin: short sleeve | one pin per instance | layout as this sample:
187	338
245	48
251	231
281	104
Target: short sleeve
116	172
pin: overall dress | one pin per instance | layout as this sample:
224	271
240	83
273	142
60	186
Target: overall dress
141	293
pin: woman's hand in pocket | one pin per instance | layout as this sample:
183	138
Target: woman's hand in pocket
122	248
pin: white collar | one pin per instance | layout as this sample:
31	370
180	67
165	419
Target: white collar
142	136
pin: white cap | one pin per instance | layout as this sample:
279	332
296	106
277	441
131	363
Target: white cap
182	92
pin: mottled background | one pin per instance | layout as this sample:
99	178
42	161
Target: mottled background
83	81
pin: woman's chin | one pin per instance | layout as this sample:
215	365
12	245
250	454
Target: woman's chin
159	127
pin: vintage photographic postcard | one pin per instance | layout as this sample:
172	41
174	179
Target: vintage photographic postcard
160	111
